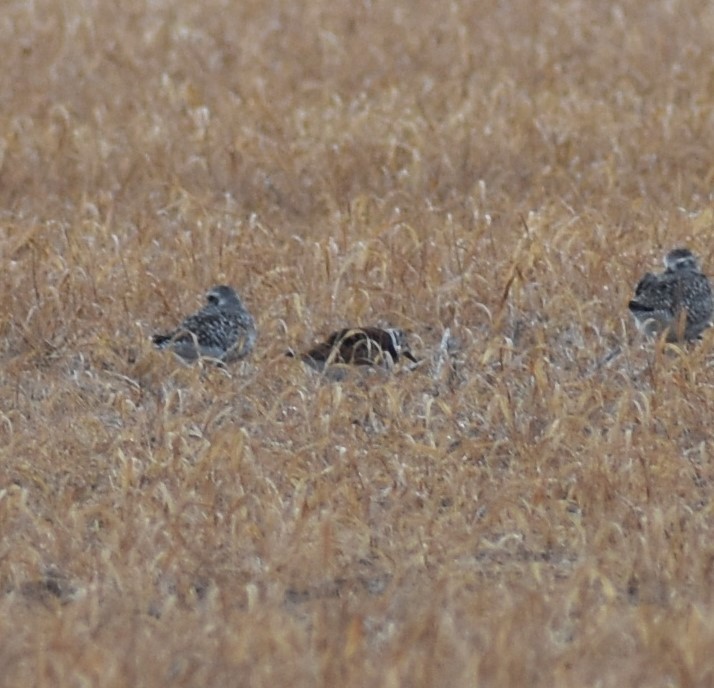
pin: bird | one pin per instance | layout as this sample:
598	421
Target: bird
223	330
375	346
677	301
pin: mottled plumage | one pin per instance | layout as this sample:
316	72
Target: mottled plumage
223	329
678	300
360	346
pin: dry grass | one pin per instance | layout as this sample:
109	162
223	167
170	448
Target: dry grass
505	169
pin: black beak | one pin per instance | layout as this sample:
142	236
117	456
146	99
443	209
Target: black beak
410	356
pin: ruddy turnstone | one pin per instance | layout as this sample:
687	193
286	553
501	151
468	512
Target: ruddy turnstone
374	346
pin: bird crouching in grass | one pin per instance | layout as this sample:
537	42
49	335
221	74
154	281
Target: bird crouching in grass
364	346
222	330
678	300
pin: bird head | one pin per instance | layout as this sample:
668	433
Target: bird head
221	295
680	259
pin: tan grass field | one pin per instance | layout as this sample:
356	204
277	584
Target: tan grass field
506	514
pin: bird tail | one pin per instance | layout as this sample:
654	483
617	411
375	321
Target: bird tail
161	340
637	307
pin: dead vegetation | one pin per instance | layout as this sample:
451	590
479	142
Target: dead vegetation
510	513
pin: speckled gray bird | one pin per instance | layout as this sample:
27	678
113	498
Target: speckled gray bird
374	346
678	300
223	329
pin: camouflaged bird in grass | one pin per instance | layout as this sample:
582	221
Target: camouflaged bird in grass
223	330
678	300
373	346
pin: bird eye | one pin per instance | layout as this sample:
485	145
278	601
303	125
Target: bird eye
212	298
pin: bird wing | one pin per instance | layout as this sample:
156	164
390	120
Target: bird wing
206	327
654	293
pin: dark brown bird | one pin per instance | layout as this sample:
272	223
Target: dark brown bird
374	346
